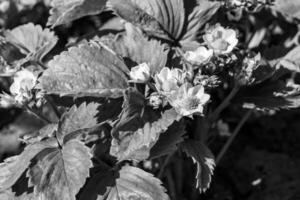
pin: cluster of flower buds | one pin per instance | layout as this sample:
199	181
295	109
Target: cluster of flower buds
24	82
249	5
218	41
181	89
245	74
173	87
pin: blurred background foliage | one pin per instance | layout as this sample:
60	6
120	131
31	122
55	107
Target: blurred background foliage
264	161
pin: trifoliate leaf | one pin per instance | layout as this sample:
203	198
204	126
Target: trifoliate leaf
132	11
14	167
128	183
201	155
166	19
32	40
288	7
198	16
87	70
136	145
59	173
66	11
138	48
78	118
168	141
270	95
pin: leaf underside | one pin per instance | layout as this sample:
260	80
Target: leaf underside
204	159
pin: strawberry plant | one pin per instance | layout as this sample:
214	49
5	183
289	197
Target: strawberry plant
155	80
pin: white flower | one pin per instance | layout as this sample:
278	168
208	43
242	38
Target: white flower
199	56
140	73
24	82
189	100
169	80
220	39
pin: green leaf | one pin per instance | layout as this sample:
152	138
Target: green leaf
32	40
42	134
128	183
9	52
138	48
168	142
201	155
172	20
198	16
288	7
291	60
136	145
14	167
270	95
133	12
77	118
66	11
60	172
87	70
9	195
135	113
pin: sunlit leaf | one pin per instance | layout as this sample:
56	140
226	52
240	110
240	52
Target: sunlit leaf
66	11
136	145
138	48
14	167
87	70
32	39
78	118
171	20
60	172
133	12
128	183
204	159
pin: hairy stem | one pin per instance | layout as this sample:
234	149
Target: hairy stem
233	136
224	104
164	165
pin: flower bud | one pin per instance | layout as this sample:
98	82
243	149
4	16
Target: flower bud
140	73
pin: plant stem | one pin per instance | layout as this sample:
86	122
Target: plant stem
224	104
164	165
53	106
42	64
38	115
233	136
